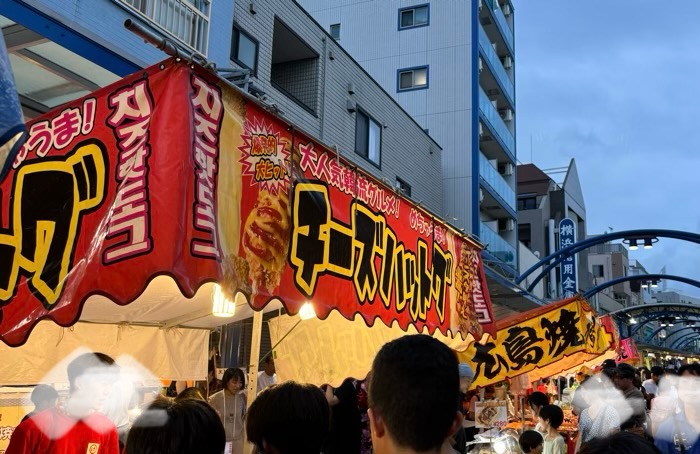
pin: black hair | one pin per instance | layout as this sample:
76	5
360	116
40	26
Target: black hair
190	393
624	370
692	369
42	393
267	359
177	427
553	414
657	370
529	440
538	398
609	363
414	386
232	373
619	443
89	362
294	418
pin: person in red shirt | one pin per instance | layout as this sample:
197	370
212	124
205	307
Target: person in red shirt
78	428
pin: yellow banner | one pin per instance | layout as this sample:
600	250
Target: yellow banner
542	342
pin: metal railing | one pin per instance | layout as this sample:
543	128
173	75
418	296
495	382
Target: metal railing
497	246
503	26
496	122
185	20
500	73
494	179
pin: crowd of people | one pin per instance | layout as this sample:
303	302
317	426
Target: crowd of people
416	399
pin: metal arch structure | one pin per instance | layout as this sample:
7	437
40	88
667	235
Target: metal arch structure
669	335
686	337
640	277
562	254
646	313
687	342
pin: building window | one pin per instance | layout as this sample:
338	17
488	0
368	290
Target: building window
412	78
598	271
244	49
403	187
527	203
185	20
335	31
415	16
368	138
525	234
294	70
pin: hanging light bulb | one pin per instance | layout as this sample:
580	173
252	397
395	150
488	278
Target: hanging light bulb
633	245
307	311
647	243
220	305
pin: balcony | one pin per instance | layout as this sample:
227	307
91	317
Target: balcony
496	67
185	20
497	246
496	124
496	24
503	26
494	179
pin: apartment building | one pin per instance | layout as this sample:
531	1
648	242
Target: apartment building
450	64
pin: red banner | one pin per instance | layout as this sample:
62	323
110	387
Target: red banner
627	351
172	172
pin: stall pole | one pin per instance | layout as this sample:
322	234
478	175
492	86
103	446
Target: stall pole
253	365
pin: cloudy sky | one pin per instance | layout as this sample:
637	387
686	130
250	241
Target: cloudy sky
615	84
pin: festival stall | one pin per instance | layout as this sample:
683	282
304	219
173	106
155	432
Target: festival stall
137	213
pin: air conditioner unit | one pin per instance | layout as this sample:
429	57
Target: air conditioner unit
481	4
481	65
508	62
508	169
495	104
506	10
495	47
481	130
506	114
481	195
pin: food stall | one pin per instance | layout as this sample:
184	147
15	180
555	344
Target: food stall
138	217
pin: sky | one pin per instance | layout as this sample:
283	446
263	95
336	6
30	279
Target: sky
615	84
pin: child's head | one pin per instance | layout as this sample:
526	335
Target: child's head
531	442
551	416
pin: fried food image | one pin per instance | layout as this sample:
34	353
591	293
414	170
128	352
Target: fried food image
465	273
488	416
266	239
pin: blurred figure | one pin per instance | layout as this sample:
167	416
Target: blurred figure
267	377
213	384
619	443
680	431
598	418
289	418
651	385
413	396
230	404
43	397
176	427
531	442
80	428
190	393
624	381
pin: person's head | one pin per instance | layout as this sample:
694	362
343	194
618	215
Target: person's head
551	416
269	365
656	373
233	380
177	426
413	395
619	443
624	376
288	418
536	401
190	393
531	442
689	370
466	377
609	364
489	392
43	397
91	376
644	372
